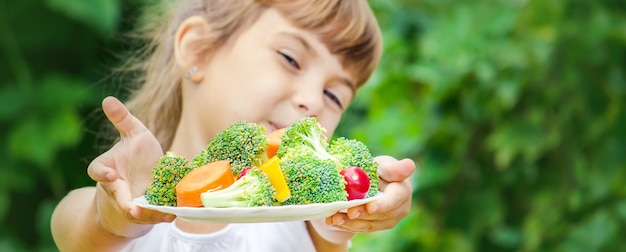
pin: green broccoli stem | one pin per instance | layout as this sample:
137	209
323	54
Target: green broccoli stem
321	152
231	196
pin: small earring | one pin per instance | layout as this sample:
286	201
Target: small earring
192	71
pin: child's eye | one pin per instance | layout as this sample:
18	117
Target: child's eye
333	98
290	60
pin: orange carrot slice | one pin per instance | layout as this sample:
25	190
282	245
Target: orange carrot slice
212	176
274	141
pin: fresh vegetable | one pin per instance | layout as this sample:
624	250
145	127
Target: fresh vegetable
274	141
306	140
241	143
243	172
306	136
252	189
311	179
165	176
301	166
212	176
272	169
357	182
351	152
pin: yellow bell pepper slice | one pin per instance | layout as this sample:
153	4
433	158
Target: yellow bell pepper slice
272	168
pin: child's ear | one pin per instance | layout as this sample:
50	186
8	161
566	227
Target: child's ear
191	46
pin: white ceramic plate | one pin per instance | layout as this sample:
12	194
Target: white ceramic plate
257	214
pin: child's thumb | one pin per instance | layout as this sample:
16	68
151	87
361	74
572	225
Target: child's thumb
393	170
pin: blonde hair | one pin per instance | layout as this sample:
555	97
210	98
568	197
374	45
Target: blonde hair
347	27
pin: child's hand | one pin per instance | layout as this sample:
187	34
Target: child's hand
124	172
387	211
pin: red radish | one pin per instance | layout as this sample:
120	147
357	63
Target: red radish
358	183
243	172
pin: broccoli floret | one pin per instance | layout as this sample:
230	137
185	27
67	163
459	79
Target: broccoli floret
241	143
351	152
306	135
253	189
311	179
306	138
201	159
165	176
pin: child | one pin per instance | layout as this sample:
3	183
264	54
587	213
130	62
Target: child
213	63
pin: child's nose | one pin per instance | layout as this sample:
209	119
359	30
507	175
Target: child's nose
309	101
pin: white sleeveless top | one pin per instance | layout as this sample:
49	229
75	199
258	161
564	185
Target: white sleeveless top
270	237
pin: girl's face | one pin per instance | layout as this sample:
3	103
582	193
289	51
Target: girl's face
272	74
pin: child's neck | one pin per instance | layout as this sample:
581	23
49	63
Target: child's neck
188	140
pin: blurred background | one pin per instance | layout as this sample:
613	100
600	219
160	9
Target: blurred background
513	110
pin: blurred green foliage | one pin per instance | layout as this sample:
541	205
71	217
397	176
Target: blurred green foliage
513	111
53	57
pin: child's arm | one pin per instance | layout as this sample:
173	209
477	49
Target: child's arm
104	217
327	238
76	227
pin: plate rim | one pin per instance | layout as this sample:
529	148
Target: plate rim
256	214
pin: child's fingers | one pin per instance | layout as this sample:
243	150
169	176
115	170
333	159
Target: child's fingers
380	214
385	212
148	216
392	170
120	117
359	220
118	214
120	191
100	168
360	225
396	201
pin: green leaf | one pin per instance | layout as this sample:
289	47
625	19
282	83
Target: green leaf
525	139
102	15
16	178
507	237
65	129
38	140
58	90
14	101
28	142
43	218
5	203
592	233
